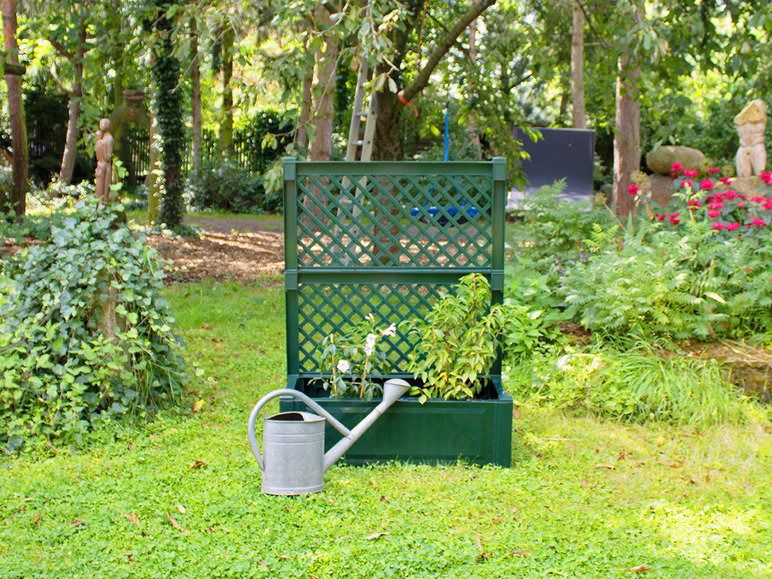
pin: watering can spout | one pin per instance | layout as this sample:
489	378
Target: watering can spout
393	389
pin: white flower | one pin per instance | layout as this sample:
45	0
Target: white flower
368	350
390	331
370	340
343	366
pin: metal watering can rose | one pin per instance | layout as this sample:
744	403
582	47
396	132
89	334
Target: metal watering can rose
293	460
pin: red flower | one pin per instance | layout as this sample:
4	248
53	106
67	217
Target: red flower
716	206
633	189
768	204
713	170
686	183
758	222
741	203
730	194
676	168
758	199
714	214
743	196
732	226
659	217
675	219
690	173
718	226
766	176
693	203
725	180
706	185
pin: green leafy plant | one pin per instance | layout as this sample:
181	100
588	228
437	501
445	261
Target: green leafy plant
84	334
352	365
458	341
224	185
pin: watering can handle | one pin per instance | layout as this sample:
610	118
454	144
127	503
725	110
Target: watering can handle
300	396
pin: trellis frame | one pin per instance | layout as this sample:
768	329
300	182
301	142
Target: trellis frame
353	245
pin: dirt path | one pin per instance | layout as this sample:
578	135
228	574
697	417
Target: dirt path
227	250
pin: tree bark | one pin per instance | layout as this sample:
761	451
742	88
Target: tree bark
323	90
76	95
388	142
301	137
577	67
195	97
18	200
225	143
627	136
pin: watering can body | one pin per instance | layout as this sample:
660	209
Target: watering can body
293	460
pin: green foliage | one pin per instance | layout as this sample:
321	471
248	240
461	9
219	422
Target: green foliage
633	386
458	341
351	364
84	335
528	331
224	185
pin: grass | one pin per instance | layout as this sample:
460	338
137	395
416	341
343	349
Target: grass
181	497
139	216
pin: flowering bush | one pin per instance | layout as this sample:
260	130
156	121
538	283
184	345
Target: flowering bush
728	212
350	365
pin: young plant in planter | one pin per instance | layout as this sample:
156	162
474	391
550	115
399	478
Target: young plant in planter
458	342
352	365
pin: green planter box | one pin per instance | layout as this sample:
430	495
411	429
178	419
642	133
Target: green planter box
438	431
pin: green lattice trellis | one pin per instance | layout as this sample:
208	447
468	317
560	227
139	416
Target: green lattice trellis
383	238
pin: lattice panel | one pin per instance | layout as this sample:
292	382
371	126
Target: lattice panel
335	308
394	220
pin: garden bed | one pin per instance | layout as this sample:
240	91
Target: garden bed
477	431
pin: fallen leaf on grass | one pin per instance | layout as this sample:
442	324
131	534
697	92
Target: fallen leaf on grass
608	466
182	509
77	523
206	326
199	464
37	519
483	556
131	517
375	536
384	499
285	556
479	542
638	569
497	520
263	565
520	553
174	523
198	405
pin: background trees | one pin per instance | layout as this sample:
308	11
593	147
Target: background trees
687	68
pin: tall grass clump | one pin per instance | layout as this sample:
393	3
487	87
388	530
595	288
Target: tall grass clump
631	387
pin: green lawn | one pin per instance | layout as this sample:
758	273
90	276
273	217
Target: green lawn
181	497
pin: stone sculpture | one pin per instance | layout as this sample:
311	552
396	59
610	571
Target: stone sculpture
750	123
104	154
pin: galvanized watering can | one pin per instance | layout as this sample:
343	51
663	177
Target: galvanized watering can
293	442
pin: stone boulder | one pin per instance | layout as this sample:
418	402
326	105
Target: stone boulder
662	158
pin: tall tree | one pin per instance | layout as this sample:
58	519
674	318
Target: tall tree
323	89
195	95
225	140
577	65
18	201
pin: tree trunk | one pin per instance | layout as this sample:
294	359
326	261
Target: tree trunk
577	67
76	95
627	136
195	97
323	91
18	200
388	142
301	137
225	143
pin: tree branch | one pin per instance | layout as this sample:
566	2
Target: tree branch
61	49
422	78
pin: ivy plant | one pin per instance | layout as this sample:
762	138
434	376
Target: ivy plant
84	333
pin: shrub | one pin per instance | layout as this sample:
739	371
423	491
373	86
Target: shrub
226	186
84	335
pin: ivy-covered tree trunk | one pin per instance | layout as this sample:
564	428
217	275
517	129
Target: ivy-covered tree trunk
169	109
18	201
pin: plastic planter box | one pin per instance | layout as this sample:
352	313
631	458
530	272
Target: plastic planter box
438	431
